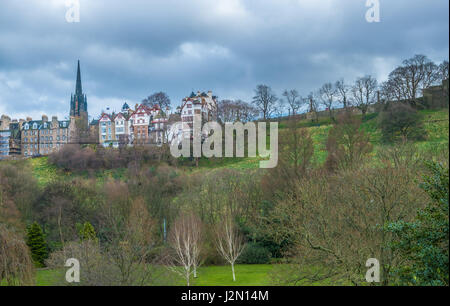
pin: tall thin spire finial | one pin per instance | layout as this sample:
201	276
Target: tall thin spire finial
78	89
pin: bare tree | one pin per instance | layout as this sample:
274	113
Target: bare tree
129	238
347	144
343	92
265	100
158	98
230	243
16	266
327	94
443	76
389	91
280	108
185	239
443	71
364	92
236	110
96	268
293	99
247	112
407	81
312	105
336	223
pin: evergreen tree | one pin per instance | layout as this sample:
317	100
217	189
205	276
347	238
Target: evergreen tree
36	243
424	243
87	232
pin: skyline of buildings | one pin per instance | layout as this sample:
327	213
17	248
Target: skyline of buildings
139	126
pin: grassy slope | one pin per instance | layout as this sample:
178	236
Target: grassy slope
435	122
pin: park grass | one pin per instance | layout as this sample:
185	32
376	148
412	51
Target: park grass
43	171
246	275
46	277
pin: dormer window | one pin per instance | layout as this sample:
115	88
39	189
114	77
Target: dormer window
34	126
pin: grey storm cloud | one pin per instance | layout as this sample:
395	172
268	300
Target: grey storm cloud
130	49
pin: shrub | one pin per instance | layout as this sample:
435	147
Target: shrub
347	144
255	254
16	267
399	121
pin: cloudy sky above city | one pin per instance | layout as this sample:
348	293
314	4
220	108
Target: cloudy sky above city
130	49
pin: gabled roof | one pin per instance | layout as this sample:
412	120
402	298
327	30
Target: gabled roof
148	110
104	115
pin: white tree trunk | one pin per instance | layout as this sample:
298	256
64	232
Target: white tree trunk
232	269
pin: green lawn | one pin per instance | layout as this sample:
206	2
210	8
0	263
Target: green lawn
246	275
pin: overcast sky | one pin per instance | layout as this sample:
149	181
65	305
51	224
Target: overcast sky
130	49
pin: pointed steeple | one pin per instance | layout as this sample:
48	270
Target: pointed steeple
78	101
78	89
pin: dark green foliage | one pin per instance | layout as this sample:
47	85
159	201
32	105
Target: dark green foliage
61	205
424	243
36	242
254	254
399	121
87	232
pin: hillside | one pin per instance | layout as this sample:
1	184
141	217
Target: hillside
436	123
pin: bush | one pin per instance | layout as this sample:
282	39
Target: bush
399	121
347	144
424	243
77	158
255	254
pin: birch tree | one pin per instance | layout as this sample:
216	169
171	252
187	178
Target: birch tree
230	242
185	241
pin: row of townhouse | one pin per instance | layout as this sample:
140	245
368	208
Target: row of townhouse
150	125
143	125
5	135
27	138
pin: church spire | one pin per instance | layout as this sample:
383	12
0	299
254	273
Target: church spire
78	89
78	101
